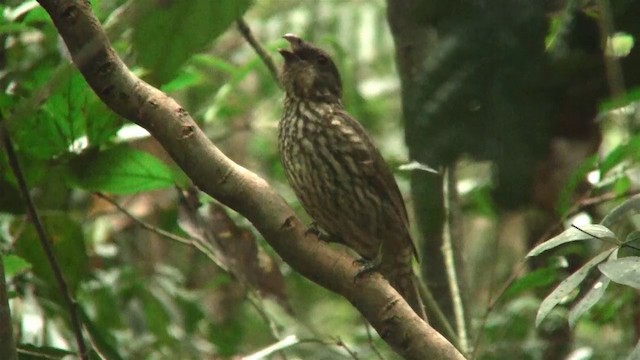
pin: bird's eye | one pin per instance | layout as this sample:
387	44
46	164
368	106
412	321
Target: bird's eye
323	60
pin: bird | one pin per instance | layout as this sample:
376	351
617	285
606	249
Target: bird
338	173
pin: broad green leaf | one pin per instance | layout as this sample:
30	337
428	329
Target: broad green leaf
7	102
630	205
33	170
42	135
588	300
156	315
632	237
620	153
61	119
184	80
217	64
14	264
568	285
621	185
178	29
100	338
67	239
624	270
101	123
535	279
119	170
69	105
11	28
37	15
587	232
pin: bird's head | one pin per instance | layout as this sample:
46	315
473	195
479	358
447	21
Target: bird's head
309	73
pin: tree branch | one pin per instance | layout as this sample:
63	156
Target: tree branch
237	187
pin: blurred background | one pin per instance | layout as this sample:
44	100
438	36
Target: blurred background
531	109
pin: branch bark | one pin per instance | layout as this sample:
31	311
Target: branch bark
237	187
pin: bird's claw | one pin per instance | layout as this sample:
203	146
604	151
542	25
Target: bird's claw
366	267
314	231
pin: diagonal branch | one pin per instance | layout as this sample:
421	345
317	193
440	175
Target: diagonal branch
237	187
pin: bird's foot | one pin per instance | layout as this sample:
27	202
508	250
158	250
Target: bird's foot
313	230
367	266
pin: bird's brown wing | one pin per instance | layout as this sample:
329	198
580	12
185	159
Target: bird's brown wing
378	171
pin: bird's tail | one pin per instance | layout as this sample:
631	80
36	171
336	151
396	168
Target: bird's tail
407	286
398	270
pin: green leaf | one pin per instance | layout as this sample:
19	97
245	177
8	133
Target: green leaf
625	271
102	124
184	80
11	28
156	315
59	121
100	338
587	232
588	300
14	264
32	352
67	239
119	170
178	29
216	64
617	214
41	135
628	97
568	285
619	154
535	279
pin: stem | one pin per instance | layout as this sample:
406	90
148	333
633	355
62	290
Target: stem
447	250
245	30
44	241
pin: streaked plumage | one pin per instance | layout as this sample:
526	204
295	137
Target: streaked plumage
338	173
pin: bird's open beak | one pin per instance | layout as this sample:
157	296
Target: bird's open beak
295	43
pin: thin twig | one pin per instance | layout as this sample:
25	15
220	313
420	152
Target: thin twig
200	245
334	342
244	29
433	306
258	305
370	338
341	344
204	248
70	303
447	251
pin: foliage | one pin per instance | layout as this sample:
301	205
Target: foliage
145	294
624	270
